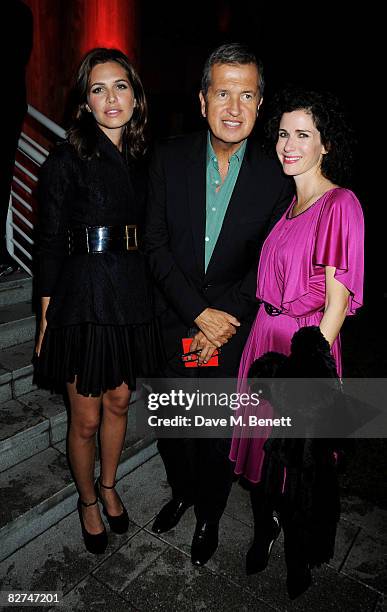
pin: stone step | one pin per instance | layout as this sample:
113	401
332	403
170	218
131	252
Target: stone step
17	324
16	370
30	425
36	421
17	288
39	491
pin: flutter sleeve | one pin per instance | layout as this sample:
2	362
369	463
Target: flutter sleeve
54	193
340	243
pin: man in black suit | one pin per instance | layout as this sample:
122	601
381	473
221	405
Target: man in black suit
213	197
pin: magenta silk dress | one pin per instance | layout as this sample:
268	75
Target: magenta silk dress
291	277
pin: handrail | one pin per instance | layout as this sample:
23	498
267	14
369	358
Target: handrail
31	152
19	220
48	123
34	143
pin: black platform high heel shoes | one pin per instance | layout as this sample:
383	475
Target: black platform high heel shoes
258	555
95	543
120	523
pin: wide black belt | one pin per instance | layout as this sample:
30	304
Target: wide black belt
100	239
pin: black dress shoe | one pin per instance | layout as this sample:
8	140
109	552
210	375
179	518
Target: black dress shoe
120	523
258	555
204	542
95	543
298	581
170	515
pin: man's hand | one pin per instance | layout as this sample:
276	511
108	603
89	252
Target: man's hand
206	347
216	325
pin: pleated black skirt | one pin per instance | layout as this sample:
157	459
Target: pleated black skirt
98	357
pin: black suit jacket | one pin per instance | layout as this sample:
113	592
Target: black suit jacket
176	221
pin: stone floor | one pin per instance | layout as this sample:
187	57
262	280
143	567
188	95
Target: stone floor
141	571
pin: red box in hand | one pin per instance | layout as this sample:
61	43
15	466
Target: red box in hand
191	361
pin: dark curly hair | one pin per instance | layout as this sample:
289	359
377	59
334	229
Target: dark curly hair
82	132
330	120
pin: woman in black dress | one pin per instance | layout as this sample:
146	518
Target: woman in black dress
97	330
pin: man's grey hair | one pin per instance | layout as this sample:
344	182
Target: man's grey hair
231	53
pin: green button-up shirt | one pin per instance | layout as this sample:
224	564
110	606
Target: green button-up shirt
218	194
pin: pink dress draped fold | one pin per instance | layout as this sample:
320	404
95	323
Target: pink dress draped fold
291	277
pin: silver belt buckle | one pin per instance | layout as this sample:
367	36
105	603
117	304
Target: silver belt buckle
129	237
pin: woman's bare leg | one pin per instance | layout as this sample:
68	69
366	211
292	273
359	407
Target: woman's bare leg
84	423
115	404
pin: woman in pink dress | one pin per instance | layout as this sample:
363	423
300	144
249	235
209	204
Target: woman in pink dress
310	271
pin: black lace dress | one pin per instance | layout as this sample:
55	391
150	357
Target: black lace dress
100	323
